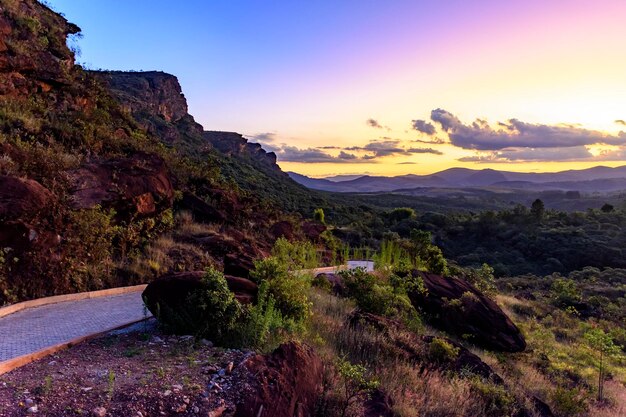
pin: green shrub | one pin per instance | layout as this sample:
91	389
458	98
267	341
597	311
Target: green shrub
295	256
442	351
565	292
377	296
289	290
498	401
355	383
568	402
318	215
263	326
319	281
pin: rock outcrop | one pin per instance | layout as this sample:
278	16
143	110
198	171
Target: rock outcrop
285	383
234	144
156	101
457	307
27	64
404	344
313	230
137	185
400	343
21	202
237	251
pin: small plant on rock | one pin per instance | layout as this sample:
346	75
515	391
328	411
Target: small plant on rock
442	351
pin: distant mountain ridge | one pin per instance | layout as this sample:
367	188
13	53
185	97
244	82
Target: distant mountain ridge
596	179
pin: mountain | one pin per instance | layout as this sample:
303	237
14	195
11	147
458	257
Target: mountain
596	179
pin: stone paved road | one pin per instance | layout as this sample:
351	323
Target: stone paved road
36	328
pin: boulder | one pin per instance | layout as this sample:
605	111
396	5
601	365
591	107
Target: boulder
458	307
135	185
201	210
21	198
378	404
173	289
238	263
21	202
312	230
282	229
284	383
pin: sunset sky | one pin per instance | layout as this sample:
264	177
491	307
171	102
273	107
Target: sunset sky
385	87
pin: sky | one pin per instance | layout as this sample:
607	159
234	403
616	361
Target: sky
385	88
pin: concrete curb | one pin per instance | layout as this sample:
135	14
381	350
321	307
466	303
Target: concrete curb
14	308
11	364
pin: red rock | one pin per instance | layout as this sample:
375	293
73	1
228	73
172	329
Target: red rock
379	404
137	185
21	202
477	315
312	230
282	229
21	197
285	383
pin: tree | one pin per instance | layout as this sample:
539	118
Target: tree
355	383
607	208
318	215
401	213
537	209
565	292
602	343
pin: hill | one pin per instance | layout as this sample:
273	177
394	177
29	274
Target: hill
596	179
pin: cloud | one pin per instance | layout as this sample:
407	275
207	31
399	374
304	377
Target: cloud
389	147
262	137
373	123
433	141
576	153
347	156
328	147
424	127
407	163
517	134
287	153
424	150
620	122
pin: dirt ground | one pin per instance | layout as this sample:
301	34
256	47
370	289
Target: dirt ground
136	372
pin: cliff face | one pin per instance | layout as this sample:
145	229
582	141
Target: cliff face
234	144
153	92
156	101
33	50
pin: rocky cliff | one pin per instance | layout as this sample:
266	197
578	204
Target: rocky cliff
100	186
33	51
156	101
234	144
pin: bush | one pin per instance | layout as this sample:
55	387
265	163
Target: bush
319	281
568	402
565	292
318	215
498	401
210	312
289	290
377	296
263	326
295	256
442	351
